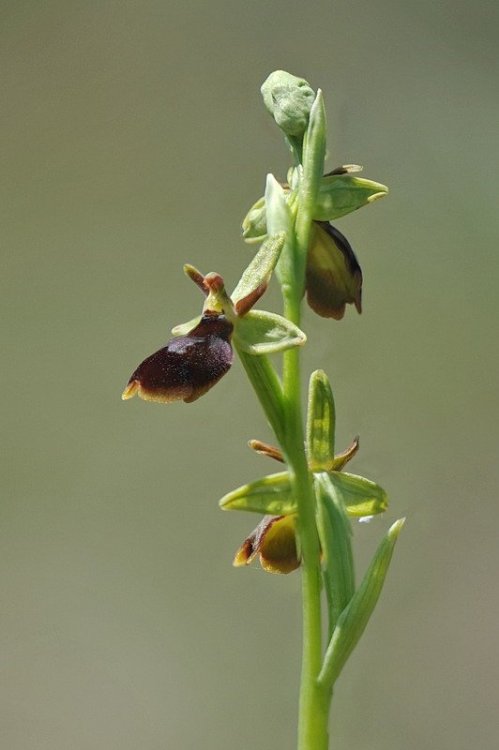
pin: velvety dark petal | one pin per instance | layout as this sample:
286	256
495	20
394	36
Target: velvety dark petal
333	276
187	366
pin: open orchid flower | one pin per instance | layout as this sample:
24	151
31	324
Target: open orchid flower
273	540
201	351
333	274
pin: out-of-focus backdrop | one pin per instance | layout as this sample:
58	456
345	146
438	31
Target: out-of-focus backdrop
134	139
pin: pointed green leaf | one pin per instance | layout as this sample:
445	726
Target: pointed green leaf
360	496
320	422
340	194
335	533
261	332
353	620
256	277
270	495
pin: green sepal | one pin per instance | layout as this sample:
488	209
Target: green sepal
320	422
261	332
184	328
353	620
335	532
256	277
361	496
255	222
271	495
276	207
340	194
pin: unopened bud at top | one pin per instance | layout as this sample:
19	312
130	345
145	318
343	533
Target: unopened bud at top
289	100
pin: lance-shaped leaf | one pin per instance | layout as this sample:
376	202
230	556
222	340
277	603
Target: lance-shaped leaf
256	277
261	332
361	496
353	620
335	534
340	194
270	495
320	422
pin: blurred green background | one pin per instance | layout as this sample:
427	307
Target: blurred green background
134	140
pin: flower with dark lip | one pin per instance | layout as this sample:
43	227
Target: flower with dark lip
274	541
188	366
333	274
201	352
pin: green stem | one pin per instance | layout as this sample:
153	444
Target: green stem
314	700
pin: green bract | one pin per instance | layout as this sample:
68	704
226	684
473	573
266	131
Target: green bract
335	533
354	618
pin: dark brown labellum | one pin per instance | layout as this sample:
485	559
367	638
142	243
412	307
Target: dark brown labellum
187	366
333	274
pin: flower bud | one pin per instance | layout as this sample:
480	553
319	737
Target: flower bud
289	100
333	274
188	366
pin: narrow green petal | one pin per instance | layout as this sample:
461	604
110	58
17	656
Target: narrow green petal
261	332
271	495
256	277
353	620
320	422
361	496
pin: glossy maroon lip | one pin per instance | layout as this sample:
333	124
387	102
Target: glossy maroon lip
188	366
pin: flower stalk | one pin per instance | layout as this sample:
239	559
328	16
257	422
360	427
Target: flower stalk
307	507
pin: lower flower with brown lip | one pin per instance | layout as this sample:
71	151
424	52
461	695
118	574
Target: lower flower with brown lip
274	541
188	366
